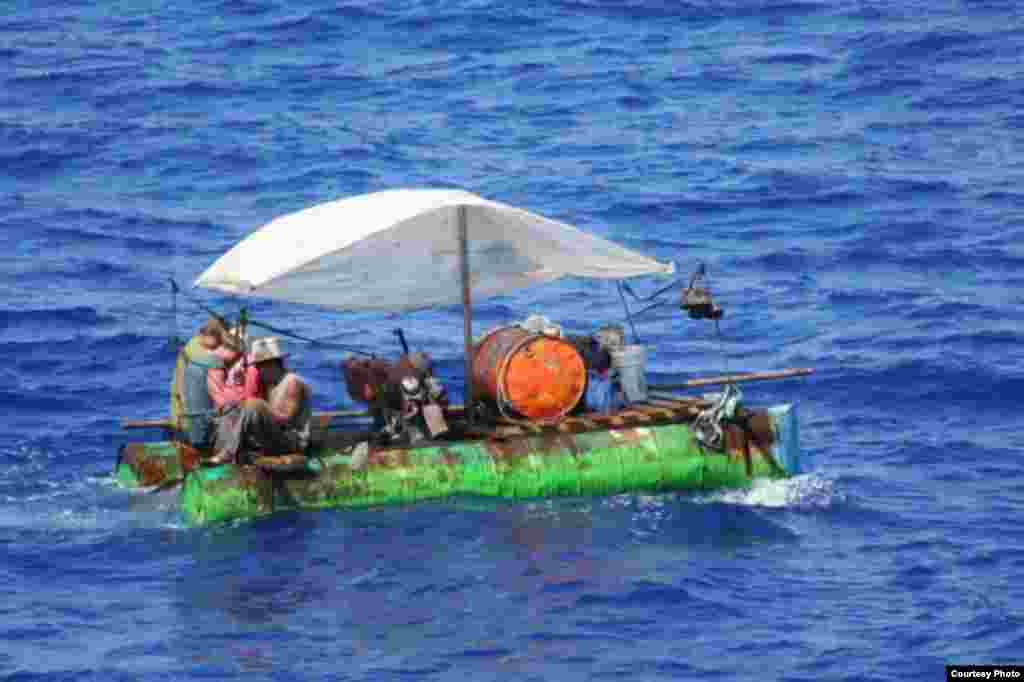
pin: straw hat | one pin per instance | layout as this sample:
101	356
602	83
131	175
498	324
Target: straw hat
264	349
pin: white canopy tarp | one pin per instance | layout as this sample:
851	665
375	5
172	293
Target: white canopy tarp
399	250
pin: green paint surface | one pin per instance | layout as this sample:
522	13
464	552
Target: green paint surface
125	476
605	462
654	459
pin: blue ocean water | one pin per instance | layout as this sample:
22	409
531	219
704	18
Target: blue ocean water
849	170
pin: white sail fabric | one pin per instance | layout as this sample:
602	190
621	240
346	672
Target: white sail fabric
399	250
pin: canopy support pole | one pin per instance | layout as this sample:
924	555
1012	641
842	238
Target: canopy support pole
467	314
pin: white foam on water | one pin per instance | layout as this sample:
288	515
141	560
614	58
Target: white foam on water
806	491
90	504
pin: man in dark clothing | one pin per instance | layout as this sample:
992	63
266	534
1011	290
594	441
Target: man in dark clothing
281	424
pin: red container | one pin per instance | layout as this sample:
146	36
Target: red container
371	380
538	377
365	378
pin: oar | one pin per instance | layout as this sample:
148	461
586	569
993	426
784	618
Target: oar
734	379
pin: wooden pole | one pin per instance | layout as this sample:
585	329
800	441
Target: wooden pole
168	425
467	312
165	424
735	379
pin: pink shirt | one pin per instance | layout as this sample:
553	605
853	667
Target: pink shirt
228	387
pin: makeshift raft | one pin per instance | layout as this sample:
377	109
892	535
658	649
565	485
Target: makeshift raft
451	246
649	448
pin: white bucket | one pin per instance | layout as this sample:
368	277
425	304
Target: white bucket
611	336
631	362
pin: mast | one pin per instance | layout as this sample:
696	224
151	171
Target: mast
467	313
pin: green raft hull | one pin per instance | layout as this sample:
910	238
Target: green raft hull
607	461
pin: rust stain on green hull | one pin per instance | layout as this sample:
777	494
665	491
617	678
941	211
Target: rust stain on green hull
150	464
516	463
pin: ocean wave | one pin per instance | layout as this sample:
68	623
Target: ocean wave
945	310
354	12
503	25
30	151
786	260
86	512
788	144
77	76
696	10
105	274
131	224
71	236
792	58
247	8
924	372
988	92
885	85
55	349
767	197
126	94
279	30
1015	199
805	492
191	88
942	256
894	187
77	316
880	49
861	298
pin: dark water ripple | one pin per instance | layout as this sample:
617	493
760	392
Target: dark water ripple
848	171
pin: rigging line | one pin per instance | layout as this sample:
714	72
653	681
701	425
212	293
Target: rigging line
721	347
650	307
282	332
702	272
293	335
175	341
718	326
651	297
195	301
636	337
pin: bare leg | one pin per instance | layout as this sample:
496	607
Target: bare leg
250	429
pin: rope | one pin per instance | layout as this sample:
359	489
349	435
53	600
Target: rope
282	332
650	307
707	427
636	337
651	297
315	342
702	272
647	299
202	306
175	340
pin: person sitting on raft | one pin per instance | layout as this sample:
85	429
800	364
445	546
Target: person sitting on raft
281	424
237	381
191	404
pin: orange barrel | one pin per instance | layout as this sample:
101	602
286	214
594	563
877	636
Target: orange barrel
538	377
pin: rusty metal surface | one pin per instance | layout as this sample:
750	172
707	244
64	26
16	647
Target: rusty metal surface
536	463
751	439
148	470
157	463
536	376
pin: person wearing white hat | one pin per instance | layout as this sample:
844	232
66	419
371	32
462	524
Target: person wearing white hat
281	424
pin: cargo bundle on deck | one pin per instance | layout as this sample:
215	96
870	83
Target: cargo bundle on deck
544	414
